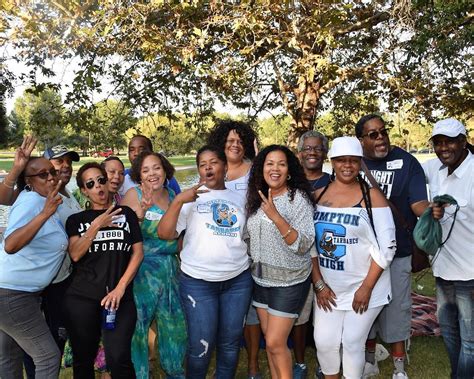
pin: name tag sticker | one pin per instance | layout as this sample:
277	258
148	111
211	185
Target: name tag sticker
153	216
203	208
119	219
241	186
397	164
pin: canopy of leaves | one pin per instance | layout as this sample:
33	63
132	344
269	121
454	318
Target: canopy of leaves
304	56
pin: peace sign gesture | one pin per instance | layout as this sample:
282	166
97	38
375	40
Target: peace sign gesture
146	201
268	206
52	201
192	193
107	218
22	154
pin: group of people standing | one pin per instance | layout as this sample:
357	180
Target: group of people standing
263	233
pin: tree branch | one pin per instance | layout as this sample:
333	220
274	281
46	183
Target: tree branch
377	18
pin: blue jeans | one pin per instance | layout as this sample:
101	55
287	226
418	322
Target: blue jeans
22	326
215	313
456	318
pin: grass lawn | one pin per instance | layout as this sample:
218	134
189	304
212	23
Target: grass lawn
428	358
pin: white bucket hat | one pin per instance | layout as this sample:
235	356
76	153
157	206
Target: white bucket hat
449	127
343	146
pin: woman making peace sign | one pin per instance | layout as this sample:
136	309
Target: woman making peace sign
280	226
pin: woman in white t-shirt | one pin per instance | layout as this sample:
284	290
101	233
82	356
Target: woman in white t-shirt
239	142
355	241
215	282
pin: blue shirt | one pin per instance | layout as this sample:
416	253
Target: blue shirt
402	180
34	266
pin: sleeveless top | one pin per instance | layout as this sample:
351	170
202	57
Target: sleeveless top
346	244
152	244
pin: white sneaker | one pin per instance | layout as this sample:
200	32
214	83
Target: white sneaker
381	353
370	370
400	375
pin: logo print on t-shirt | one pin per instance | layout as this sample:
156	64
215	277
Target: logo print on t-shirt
223	215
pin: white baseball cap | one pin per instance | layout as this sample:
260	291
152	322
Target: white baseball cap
449	127
343	146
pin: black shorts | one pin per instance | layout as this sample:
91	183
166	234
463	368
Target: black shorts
282	301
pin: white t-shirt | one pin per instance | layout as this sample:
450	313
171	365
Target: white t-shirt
239	185
454	261
346	245
213	247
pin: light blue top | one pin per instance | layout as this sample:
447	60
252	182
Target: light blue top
34	266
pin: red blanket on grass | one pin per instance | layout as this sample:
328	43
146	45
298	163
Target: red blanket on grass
424	321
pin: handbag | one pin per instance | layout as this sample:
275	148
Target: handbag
427	233
419	258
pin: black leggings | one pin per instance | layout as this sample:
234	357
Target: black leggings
83	319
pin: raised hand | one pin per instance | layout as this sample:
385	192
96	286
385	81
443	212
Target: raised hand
23	153
107	218
192	193
268	206
147	198
52	201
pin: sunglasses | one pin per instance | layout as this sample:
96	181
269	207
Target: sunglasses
374	134
91	183
316	149
44	174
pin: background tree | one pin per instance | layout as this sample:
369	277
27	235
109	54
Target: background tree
302	56
39	114
3	123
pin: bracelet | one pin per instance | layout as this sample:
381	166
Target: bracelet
319	285
87	237
6	185
285	236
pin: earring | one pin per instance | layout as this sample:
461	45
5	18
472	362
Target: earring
226	178
28	188
87	204
289	177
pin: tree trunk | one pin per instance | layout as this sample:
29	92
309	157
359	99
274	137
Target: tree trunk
304	114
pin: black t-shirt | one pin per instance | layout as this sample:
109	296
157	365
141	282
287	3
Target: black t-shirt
402	180
107	259
321	182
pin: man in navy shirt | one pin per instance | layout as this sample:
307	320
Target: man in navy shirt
401	178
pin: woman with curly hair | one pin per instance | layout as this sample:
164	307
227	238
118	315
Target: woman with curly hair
239	143
281	231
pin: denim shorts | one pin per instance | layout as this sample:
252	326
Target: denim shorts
282	301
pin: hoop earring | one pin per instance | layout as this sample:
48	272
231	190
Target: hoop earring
28	188
289	177
226	178
87	204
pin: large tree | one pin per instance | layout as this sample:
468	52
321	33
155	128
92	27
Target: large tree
304	56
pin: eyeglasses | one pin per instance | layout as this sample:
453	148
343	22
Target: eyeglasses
91	183
234	141
316	149
374	134
44	174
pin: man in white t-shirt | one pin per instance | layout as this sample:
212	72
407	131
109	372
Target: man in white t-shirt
452	173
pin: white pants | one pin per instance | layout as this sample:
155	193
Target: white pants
346	327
